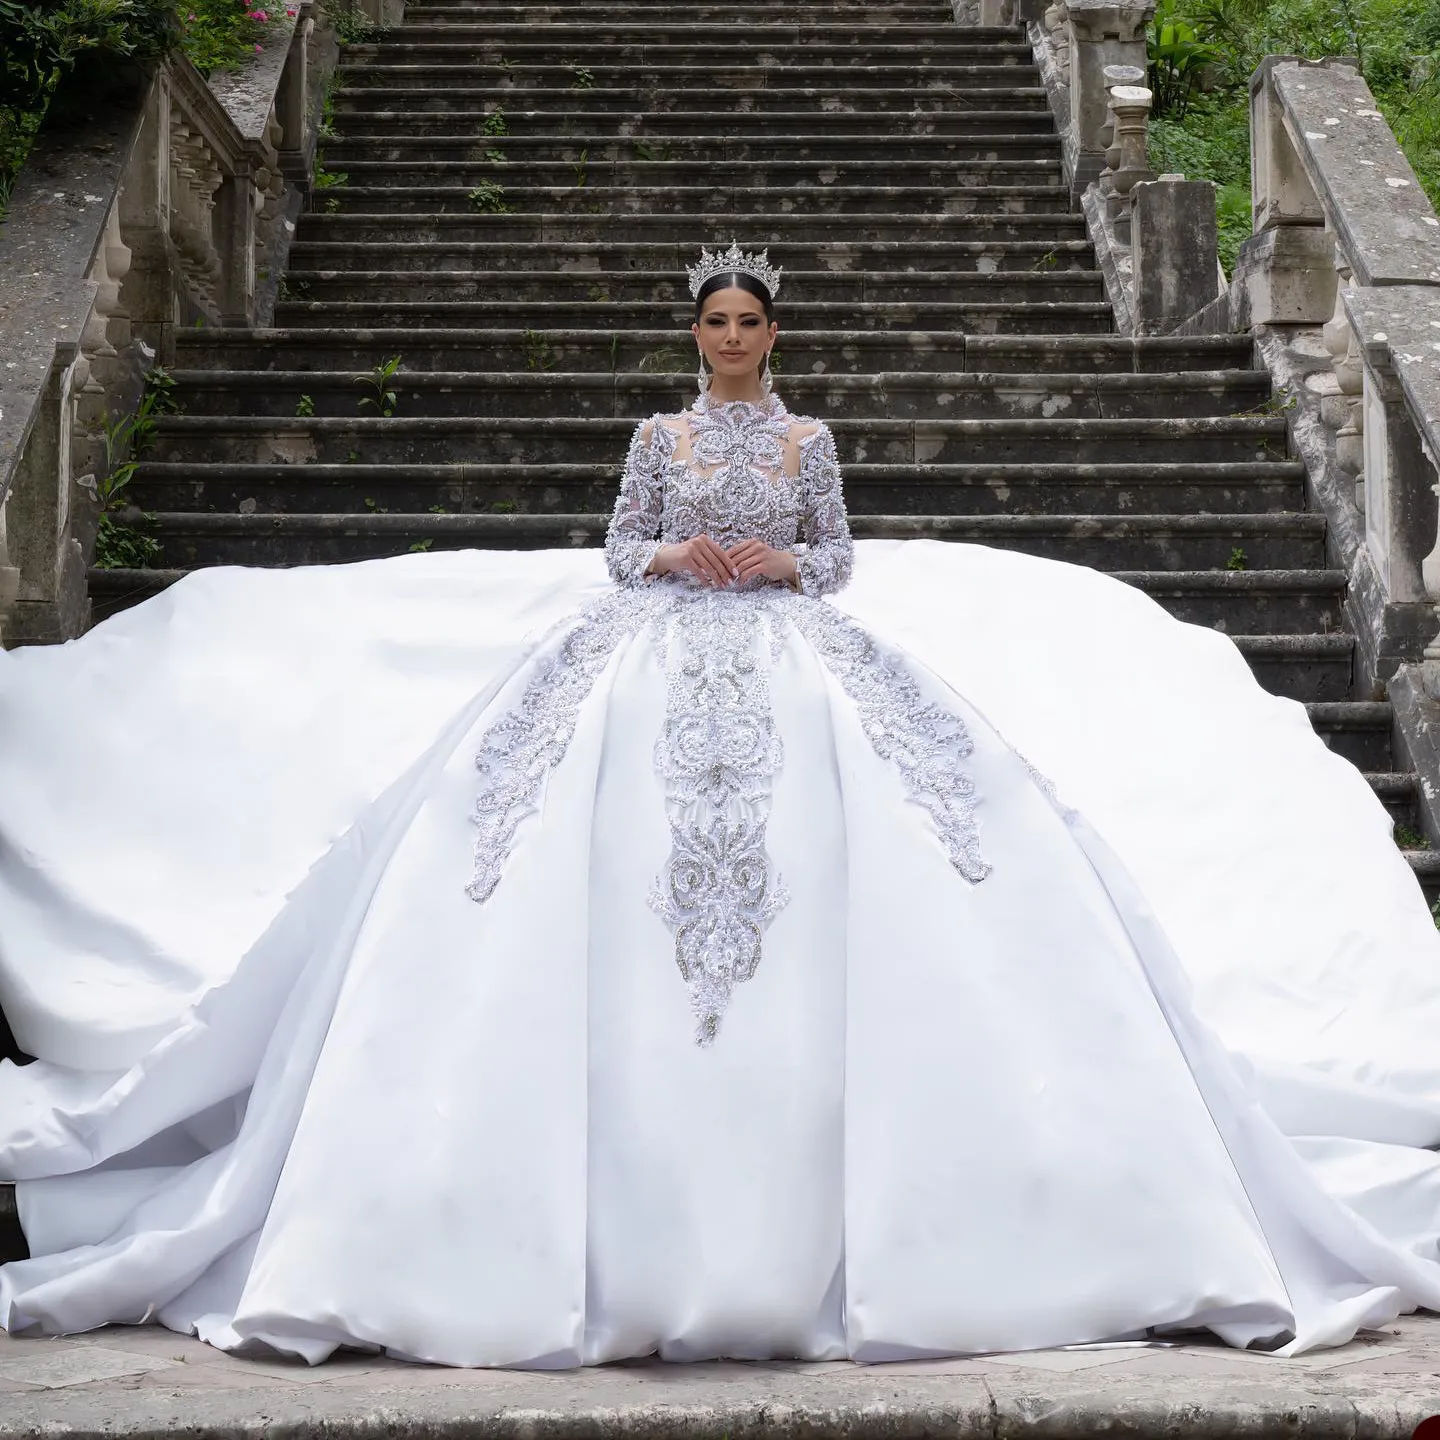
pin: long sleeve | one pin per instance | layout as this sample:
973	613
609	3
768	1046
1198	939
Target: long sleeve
633	536
825	558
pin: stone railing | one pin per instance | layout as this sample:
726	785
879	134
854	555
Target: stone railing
1340	285
1076	42
149	202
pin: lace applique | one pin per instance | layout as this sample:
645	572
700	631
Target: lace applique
520	750
732	486
923	741
826	557
630	542
717	754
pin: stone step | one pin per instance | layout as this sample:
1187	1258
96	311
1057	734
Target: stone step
925	395
1361	731
679	232
855	288
1008	157
401	440
1314	667
1426	867
815	260
710	12
600	48
648	195
1248	602
1184	544
1257	490
613	134
662	17
1399	791
1036	318
802	352
479	77
546	105
1017	108
774	172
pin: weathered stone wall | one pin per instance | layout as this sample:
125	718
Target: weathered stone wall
150	200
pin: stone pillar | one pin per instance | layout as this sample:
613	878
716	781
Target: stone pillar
1102	32
234	230
1174	252
147	291
1280	190
292	101
51	602
1400	509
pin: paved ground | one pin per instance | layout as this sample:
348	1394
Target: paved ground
132	1382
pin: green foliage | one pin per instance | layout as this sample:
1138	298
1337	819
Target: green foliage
420	546
352	26
667	360
1178	56
538	354
584	78
495	123
1408	838
305	407
122	544
503	507
581	167
381	380
1238	560
489	196
1206	134
42	41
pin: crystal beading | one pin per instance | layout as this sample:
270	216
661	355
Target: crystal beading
733	260
719	749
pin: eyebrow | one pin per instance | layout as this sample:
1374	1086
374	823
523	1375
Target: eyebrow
723	313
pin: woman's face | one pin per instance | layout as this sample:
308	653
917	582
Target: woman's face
733	333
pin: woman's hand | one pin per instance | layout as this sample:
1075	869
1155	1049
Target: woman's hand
700	557
754	557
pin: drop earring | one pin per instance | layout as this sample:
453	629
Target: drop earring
703	377
765	383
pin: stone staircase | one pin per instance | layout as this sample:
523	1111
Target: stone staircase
523	188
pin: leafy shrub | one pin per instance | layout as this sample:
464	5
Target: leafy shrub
41	41
1202	127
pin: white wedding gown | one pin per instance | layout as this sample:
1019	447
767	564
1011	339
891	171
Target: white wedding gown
753	997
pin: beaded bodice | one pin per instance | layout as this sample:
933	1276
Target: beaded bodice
734	471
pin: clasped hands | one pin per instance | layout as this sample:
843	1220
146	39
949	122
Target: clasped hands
711	564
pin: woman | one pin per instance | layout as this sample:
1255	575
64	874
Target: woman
785	1010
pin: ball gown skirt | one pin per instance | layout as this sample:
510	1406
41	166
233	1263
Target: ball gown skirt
940	1071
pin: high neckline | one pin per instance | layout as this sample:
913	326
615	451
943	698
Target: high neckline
769	407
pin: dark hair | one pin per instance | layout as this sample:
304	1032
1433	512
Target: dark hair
745	282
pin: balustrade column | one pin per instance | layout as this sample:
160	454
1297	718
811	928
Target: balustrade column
1101	33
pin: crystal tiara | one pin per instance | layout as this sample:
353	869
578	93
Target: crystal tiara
732	261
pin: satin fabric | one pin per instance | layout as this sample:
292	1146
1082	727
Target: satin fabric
296	1089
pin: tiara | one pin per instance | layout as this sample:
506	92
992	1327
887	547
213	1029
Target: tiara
727	261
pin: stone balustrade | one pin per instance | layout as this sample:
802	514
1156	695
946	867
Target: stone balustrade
150	201
1347	240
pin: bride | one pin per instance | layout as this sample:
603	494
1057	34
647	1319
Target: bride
461	956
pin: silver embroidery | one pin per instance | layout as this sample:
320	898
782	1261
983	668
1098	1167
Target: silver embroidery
732	486
719	750
923	741
520	750
717	754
